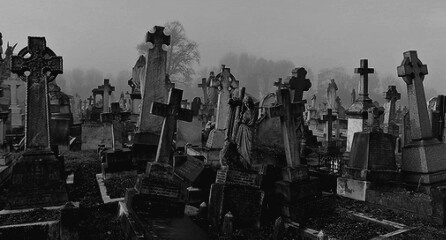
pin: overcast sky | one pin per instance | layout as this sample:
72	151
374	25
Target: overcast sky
103	34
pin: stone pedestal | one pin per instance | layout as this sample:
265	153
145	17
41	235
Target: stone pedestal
237	192
357	120
37	180
424	161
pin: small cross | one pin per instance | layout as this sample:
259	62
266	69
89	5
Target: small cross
299	83
364	72
329	118
392	94
90	100
171	112
203	83
158	37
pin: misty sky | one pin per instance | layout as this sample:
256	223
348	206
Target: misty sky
103	34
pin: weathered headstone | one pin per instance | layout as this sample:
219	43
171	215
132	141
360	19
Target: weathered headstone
423	158
157	187
357	113
190	132
153	89
226	83
390	126
38	177
16	117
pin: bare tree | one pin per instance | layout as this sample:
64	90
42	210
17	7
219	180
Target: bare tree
181	54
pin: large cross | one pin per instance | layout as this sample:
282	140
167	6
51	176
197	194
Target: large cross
171	112
328	119
43	66
225	82
203	85
412	70
364	72
108	89
299	83
286	111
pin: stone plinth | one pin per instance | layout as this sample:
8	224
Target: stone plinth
357	120
424	161
37	180
372	157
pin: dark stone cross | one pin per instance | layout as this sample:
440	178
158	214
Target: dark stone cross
108	89
286	111
279	84
43	66
392	95
328	119
412	70
364	72
299	83
171	112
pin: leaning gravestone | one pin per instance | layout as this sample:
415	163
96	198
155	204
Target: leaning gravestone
423	158
153	89
38	177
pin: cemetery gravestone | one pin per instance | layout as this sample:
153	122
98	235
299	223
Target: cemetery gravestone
153	89
390	126
38	177
190	133
226	83
357	113
423	157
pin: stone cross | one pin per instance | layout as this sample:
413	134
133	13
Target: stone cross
90	100
43	66
171	113
392	95
226	83
154	88
108	89
364	72
279	84
299	83
16	117
412	70
286	110
203	85
328	119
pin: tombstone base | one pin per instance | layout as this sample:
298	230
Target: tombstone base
351	188
244	202
116	161
216	139
37	181
145	145
423	162
158	191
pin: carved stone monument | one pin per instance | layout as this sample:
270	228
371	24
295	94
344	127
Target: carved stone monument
38	176
357	113
390	126
423	158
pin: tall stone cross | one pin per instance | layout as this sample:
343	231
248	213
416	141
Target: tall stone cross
328	119
155	84
203	85
412	70
108	89
171	112
43	66
280	84
226	83
364	71
286	110
392	95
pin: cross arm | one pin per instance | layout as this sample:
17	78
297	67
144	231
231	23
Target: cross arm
185	115
159	109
